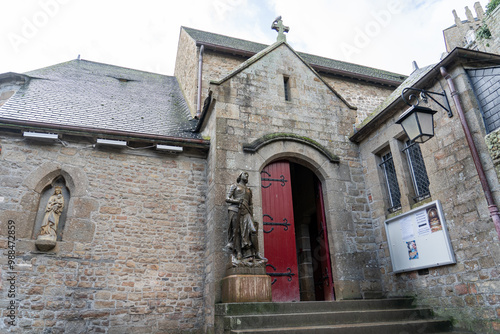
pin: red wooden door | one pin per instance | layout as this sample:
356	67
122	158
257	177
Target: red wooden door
279	231
321	252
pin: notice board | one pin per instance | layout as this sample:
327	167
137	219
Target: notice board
419	239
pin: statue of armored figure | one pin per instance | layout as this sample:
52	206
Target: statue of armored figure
242	233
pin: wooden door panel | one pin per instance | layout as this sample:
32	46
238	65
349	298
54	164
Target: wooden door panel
324	287
279	231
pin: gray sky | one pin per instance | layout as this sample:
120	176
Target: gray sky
385	34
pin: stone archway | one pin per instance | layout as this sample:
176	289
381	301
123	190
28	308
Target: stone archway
295	233
331	174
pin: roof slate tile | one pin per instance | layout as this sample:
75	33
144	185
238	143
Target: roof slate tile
107	97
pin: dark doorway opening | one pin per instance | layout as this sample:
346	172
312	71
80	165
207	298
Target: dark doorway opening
313	257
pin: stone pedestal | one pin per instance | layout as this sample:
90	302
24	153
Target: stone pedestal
45	243
246	285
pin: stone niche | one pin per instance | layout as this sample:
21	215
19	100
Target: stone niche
51	215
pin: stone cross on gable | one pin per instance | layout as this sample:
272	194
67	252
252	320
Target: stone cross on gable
280	28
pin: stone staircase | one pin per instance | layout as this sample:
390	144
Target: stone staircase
372	316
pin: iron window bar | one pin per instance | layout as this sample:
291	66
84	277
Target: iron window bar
418	171
392	182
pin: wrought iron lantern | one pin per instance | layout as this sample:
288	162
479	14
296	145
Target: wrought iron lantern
418	121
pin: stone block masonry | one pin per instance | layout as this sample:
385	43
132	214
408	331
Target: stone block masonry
131	255
468	290
252	104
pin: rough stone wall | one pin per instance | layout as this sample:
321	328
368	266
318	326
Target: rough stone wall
131	257
492	20
467	290
186	69
455	36
216	66
493	143
216	232
252	104
366	97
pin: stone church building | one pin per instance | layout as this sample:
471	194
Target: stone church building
114	182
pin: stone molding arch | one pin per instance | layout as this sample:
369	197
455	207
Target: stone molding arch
294	150
332	175
76	180
281	136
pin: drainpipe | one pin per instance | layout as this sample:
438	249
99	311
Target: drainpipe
200	68
494	214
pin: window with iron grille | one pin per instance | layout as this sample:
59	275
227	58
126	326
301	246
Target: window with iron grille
391	181
417	170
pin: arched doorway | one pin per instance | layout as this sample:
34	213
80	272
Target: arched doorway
295	233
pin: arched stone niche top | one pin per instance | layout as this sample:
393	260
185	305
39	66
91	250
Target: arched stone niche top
78	224
75	225
265	140
42	177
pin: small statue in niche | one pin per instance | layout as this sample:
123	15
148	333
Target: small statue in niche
47	237
242	233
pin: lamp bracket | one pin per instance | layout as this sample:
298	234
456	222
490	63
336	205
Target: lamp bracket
424	94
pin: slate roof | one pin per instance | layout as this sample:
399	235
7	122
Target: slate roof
414	77
394	97
418	79
93	95
203	37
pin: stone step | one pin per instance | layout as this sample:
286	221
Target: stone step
324	318
309	307
412	326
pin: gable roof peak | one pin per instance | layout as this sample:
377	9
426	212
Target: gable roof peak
245	48
267	51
